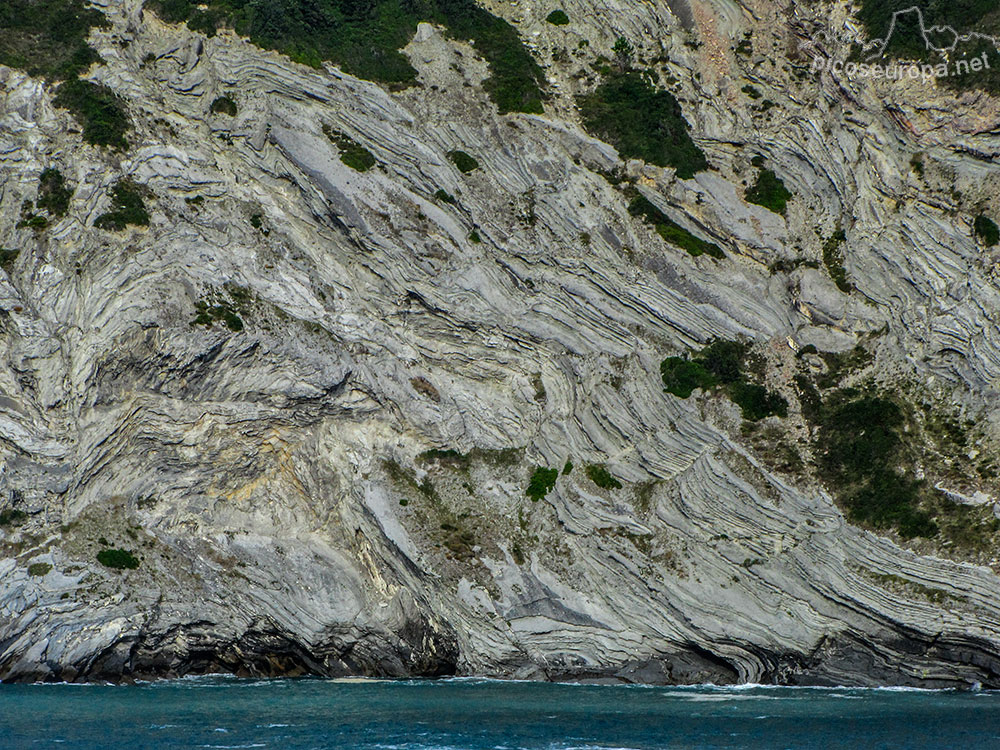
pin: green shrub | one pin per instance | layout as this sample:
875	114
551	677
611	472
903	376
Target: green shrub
860	445
558	18
474	237
542	481
642	122
833	259
352	153
364	37
127	207
723	360
756	402
119	559
223	105
47	37
600	476
39	569
463	161
770	192
99	110
12	517
53	195
682	376
7	258
446	197
987	230
673	233
567	468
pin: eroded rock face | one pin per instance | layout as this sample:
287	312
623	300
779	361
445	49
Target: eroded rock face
273	480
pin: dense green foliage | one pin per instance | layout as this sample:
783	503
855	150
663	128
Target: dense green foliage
463	161
53	195
833	259
682	376
986	230
860	441
99	110
672	232
558	18
127	207
445	196
770	192
352	153
600	476
756	402
642	122
47	37
907	42
119	559
722	363
542	480
724	360
365	36
224	105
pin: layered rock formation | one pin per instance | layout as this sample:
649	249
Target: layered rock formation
338	485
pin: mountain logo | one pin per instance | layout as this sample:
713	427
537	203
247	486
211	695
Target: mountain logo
941	39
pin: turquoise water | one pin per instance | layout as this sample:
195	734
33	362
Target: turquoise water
218	712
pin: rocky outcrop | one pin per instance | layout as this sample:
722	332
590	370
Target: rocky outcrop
274	481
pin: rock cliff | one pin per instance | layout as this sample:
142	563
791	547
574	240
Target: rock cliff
307	399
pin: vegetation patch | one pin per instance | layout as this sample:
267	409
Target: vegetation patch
986	230
599	475
860	448
352	153
31	220
642	122
127	207
770	192
223	105
39	569
12	517
463	161
118	559
7	258
726	364
936	596
542	481
672	232
99	111
53	194
364	37
681	376
833	259
558	18
757	402
48	37
445	197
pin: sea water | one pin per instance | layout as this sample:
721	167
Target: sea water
220	712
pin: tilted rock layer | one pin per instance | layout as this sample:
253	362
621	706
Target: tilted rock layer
273	482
